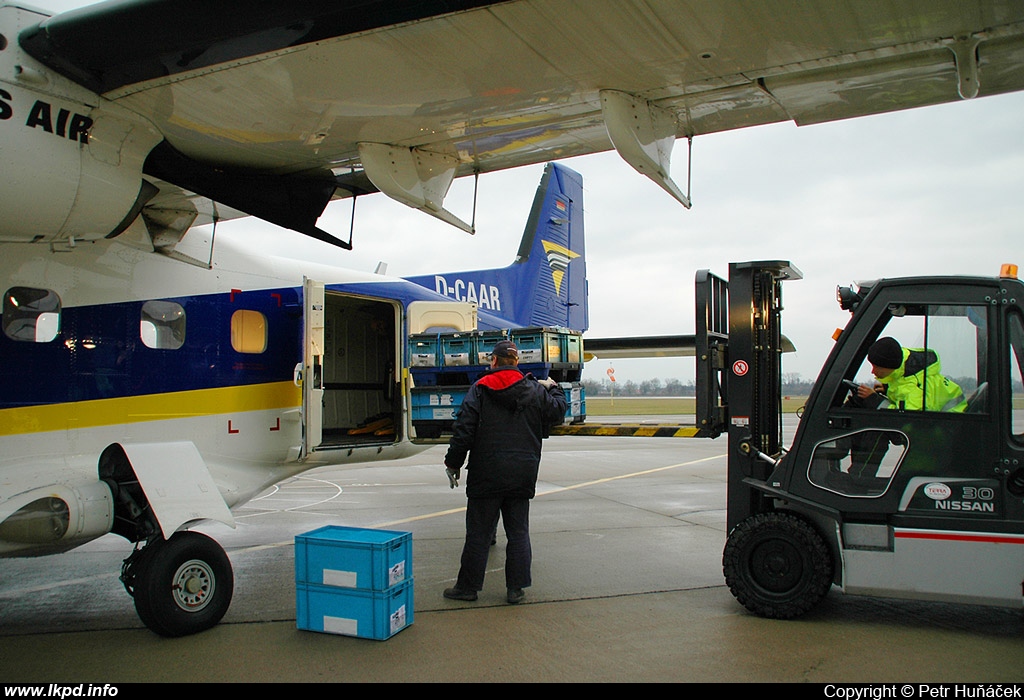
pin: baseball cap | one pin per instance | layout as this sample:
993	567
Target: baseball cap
505	348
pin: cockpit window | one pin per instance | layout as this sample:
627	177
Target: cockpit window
31	315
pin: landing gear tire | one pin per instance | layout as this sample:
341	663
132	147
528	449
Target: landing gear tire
182	585
777	565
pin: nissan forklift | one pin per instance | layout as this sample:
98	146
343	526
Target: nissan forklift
900	500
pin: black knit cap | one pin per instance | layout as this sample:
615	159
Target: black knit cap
886	352
505	348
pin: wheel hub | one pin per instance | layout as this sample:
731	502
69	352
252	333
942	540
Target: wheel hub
193	585
776	566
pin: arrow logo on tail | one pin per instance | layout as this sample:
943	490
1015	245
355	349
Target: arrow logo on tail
558	260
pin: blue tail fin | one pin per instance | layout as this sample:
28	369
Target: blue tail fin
547	283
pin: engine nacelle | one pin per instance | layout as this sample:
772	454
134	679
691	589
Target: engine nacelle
57	518
61	189
72	161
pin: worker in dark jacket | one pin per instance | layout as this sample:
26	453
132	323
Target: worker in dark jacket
501	423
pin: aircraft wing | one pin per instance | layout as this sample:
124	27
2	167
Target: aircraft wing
273	108
650	346
639	347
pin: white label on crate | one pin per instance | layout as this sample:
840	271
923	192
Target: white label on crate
341	625
398	619
443	413
396	574
345	579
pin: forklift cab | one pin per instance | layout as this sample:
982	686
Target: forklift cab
939	421
910	498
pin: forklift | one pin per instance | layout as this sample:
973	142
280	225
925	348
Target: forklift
902	500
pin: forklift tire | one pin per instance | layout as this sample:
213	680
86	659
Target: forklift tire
777	565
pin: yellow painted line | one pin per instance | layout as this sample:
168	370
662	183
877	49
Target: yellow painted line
151	407
645	472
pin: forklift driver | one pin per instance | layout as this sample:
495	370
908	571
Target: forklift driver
910	380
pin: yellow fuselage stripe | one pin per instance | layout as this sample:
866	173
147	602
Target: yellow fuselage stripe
151	407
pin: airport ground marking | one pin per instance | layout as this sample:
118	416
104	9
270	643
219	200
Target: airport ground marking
462	509
393	523
560	489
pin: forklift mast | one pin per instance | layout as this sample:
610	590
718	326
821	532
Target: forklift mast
739	346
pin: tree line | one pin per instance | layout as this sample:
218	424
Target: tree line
793	384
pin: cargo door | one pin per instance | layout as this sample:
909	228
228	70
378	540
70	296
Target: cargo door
312	365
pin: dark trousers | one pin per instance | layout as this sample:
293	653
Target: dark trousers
481	520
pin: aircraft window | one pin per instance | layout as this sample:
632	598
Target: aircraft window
861	464
162	325
31	315
248	331
946	368
1016	325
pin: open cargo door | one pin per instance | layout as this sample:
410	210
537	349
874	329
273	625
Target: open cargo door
312	365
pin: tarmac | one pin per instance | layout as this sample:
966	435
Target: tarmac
628	587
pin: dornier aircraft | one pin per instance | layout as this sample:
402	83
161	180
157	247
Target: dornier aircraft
140	395
126	124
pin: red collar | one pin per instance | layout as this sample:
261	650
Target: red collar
501	378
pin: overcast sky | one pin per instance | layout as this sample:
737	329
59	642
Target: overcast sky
931	191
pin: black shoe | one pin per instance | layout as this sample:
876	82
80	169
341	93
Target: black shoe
459	594
515	595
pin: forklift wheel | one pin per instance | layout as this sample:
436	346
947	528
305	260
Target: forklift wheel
777	565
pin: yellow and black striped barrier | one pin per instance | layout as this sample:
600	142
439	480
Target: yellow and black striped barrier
629	430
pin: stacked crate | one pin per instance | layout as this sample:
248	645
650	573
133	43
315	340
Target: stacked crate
444	365
354	581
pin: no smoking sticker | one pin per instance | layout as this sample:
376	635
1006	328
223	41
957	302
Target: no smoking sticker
740	367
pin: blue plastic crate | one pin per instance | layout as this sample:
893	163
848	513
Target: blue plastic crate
352	557
354	612
485	342
575	397
458	349
436	403
537	344
423	350
572	348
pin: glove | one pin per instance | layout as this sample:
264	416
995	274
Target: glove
453	476
547	383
